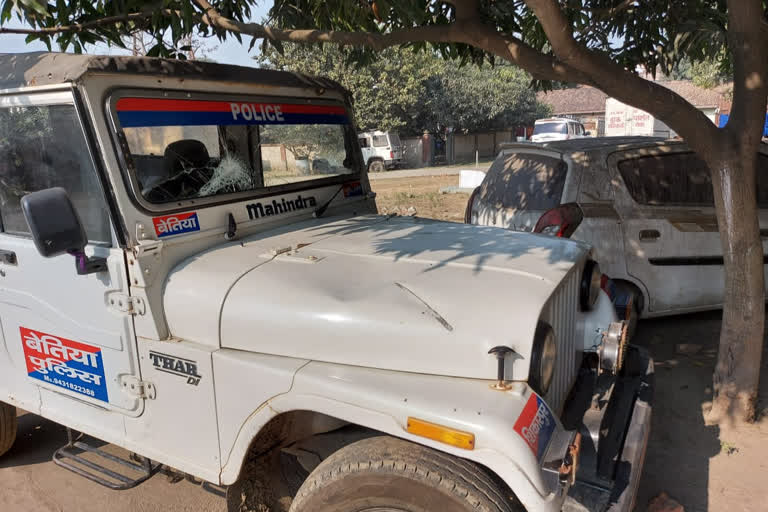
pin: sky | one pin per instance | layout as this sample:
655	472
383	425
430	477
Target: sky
228	52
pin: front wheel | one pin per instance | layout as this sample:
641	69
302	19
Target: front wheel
392	475
376	166
7	427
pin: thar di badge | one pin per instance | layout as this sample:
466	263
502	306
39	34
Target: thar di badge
176	366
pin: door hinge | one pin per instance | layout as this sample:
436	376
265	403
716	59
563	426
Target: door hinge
138	388
146	246
126	304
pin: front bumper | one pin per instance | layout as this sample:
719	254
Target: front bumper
613	415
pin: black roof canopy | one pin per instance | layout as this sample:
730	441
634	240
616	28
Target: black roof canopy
43	68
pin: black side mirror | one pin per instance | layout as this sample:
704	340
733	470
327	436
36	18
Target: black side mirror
56	228
53	222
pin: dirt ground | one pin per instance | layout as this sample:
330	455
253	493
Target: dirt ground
706	468
396	195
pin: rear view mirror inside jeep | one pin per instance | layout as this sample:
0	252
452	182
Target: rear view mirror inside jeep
189	149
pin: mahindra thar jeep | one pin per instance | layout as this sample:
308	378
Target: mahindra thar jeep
192	268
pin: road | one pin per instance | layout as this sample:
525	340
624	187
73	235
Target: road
426	171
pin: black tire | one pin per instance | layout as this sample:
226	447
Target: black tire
7	427
385	473
376	166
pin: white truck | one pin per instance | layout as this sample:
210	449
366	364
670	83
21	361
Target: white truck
381	150
625	120
172	283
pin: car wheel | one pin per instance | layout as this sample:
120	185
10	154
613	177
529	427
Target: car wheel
376	166
7	427
388	474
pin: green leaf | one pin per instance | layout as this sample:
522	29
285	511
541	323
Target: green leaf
278	46
5	12
38	6
156	50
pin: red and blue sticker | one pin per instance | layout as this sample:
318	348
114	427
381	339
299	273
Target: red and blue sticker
536	425
137	112
65	363
353	189
169	225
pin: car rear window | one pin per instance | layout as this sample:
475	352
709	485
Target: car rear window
394	139
523	181
680	179
540	128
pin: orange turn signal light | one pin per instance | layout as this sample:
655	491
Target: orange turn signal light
457	438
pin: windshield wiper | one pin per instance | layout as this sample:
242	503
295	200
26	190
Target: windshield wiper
321	210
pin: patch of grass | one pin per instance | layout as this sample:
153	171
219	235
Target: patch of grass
423	194
728	448
402	197
435	199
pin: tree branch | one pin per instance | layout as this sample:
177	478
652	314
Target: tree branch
609	12
620	83
466	9
470	30
144	14
376	41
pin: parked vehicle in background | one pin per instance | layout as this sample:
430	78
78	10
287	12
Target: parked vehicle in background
381	150
557	128
646	206
623	120
173	282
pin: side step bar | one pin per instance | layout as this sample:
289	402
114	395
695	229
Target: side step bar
73	451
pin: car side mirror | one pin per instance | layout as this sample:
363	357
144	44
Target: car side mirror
56	228
587	133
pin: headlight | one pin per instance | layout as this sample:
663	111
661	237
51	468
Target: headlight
590	285
543	358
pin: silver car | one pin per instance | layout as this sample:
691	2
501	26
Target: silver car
645	204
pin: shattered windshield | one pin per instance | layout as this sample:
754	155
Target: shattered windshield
188	149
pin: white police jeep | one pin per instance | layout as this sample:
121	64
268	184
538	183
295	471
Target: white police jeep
191	268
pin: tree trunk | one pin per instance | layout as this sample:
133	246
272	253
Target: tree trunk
734	171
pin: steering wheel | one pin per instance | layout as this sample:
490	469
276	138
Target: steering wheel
183	185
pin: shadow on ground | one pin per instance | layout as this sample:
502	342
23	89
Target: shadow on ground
694	463
36	440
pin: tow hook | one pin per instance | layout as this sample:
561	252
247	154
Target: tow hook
570	464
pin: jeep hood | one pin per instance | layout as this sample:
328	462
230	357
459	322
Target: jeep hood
392	293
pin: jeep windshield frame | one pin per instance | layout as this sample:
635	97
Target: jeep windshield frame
350	170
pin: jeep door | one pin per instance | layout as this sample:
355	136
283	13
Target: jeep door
365	147
66	338
672	244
